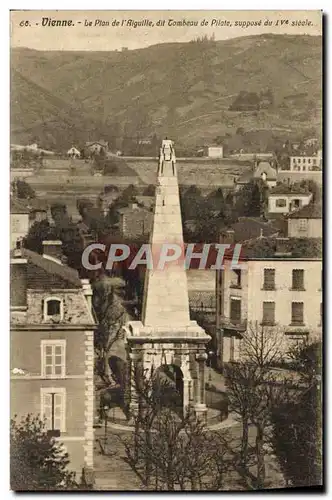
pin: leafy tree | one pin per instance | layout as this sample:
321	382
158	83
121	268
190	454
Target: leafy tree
128	195
37	461
22	189
38	232
252	198
149	190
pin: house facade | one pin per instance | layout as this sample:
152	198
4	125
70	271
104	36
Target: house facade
19	221
306	222
284	199
51	344
134	221
282	291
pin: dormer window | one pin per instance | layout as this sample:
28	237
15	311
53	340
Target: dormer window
53	309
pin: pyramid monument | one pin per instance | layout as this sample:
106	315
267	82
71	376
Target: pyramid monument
166	335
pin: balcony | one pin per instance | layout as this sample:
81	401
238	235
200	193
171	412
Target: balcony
234	324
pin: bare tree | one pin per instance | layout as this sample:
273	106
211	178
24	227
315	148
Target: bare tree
111	317
172	452
253	389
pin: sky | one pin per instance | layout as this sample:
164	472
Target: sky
99	36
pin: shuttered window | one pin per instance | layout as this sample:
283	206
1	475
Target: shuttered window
235	312
297	313
269	279
53	408
268	313
53	361
298	279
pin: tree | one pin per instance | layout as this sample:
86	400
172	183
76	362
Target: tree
252	198
253	390
111	318
22	190
297	424
38	462
168	451
38	232
149	190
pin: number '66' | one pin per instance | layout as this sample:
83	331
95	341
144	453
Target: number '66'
24	23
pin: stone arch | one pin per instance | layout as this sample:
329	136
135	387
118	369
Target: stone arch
168	385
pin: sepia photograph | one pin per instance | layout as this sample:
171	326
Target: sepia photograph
166	245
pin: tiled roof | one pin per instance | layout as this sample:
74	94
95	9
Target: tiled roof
311	211
249	227
289	189
45	273
245	178
266	248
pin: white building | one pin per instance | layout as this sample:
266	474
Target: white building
306	222
305	163
73	152
284	199
279	286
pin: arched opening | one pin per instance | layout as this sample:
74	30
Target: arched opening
168	386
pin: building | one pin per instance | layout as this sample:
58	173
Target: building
284	198
134	221
211	151
23	213
278	286
96	147
73	153
267	173
306	163
306	222
166	337
19	220
51	347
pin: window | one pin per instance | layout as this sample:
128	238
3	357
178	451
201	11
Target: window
53	408
268	313
297	313
299	160
235	312
294	160
53	358
314	161
269	279
236	278
303	224
298	279
53	309
281	202
309	160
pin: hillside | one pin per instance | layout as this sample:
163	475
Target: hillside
182	89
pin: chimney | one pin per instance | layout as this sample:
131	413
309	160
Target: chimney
228	236
18	281
282	247
53	249
87	290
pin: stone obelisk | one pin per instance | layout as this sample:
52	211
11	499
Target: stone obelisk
165	334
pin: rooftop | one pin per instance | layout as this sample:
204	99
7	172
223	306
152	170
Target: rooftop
288	189
297	248
311	211
46	273
250	227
